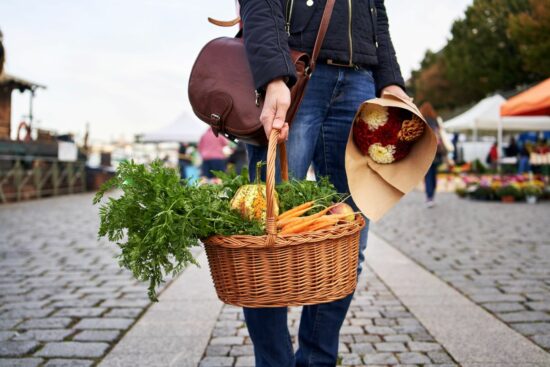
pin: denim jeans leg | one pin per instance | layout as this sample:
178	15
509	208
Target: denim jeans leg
320	324
268	330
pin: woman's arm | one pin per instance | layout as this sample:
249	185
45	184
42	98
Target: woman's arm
268	54
266	42
387	73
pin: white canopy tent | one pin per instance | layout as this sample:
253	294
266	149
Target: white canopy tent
185	129
483	116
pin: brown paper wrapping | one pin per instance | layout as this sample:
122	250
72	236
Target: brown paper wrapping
376	188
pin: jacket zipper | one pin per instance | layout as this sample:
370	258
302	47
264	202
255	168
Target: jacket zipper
288	15
349	33
373	19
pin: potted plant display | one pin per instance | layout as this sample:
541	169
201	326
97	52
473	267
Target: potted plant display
532	193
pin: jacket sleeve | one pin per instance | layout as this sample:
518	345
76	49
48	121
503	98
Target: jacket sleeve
387	72
266	42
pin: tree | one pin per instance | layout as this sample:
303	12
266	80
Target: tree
481	57
530	31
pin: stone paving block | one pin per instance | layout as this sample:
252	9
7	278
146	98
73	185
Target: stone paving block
112	303
80	312
75	303
413	358
233	340
8	323
6	335
49	323
17	348
440	357
362	348
504	307
524	316
44	335
107	323
380	358
97	335
69	363
423	346
123	312
390	347
397	338
217	362
539	306
380	330
245	362
350	359
352	330
532	328
542	340
217	350
73	350
20	362
241	350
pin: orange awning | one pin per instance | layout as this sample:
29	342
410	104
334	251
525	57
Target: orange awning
534	101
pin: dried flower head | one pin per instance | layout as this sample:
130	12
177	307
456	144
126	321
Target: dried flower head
411	129
374	115
382	154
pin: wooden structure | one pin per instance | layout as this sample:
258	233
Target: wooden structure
8	84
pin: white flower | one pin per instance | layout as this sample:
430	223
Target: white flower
374	116
382	154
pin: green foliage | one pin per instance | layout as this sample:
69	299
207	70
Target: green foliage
483	193
498	45
532	190
530	31
294	192
157	219
509	190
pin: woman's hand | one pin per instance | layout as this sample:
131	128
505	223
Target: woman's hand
277	101
396	90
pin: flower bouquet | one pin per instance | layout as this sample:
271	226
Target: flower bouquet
389	150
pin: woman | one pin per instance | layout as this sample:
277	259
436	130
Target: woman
357	62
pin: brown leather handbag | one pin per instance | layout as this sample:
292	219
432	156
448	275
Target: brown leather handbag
221	88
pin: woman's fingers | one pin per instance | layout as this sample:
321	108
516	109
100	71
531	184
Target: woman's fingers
276	104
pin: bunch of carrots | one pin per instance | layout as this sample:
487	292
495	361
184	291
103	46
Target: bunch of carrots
292	221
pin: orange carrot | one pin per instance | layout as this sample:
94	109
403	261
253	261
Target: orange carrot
301	225
287	221
296	211
320	225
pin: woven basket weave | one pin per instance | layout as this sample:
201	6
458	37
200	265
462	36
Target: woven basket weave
284	270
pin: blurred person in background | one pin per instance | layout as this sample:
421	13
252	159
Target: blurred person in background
184	159
430	180
492	157
211	149
238	157
2	52
512	150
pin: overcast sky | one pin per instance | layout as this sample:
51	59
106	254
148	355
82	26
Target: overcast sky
123	65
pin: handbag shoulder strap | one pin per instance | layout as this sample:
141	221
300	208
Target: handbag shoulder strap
325	20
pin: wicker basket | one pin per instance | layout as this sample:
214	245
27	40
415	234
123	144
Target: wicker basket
284	270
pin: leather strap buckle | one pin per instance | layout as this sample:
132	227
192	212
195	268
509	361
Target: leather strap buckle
336	63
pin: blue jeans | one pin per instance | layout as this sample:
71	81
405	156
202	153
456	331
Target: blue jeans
430	181
209	165
318	135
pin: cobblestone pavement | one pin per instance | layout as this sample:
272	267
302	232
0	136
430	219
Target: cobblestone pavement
378	331
496	254
63	299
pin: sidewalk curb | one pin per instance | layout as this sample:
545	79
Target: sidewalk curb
470	334
176	330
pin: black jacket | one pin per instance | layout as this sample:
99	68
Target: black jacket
272	26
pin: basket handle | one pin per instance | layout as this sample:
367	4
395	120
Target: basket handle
271	220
